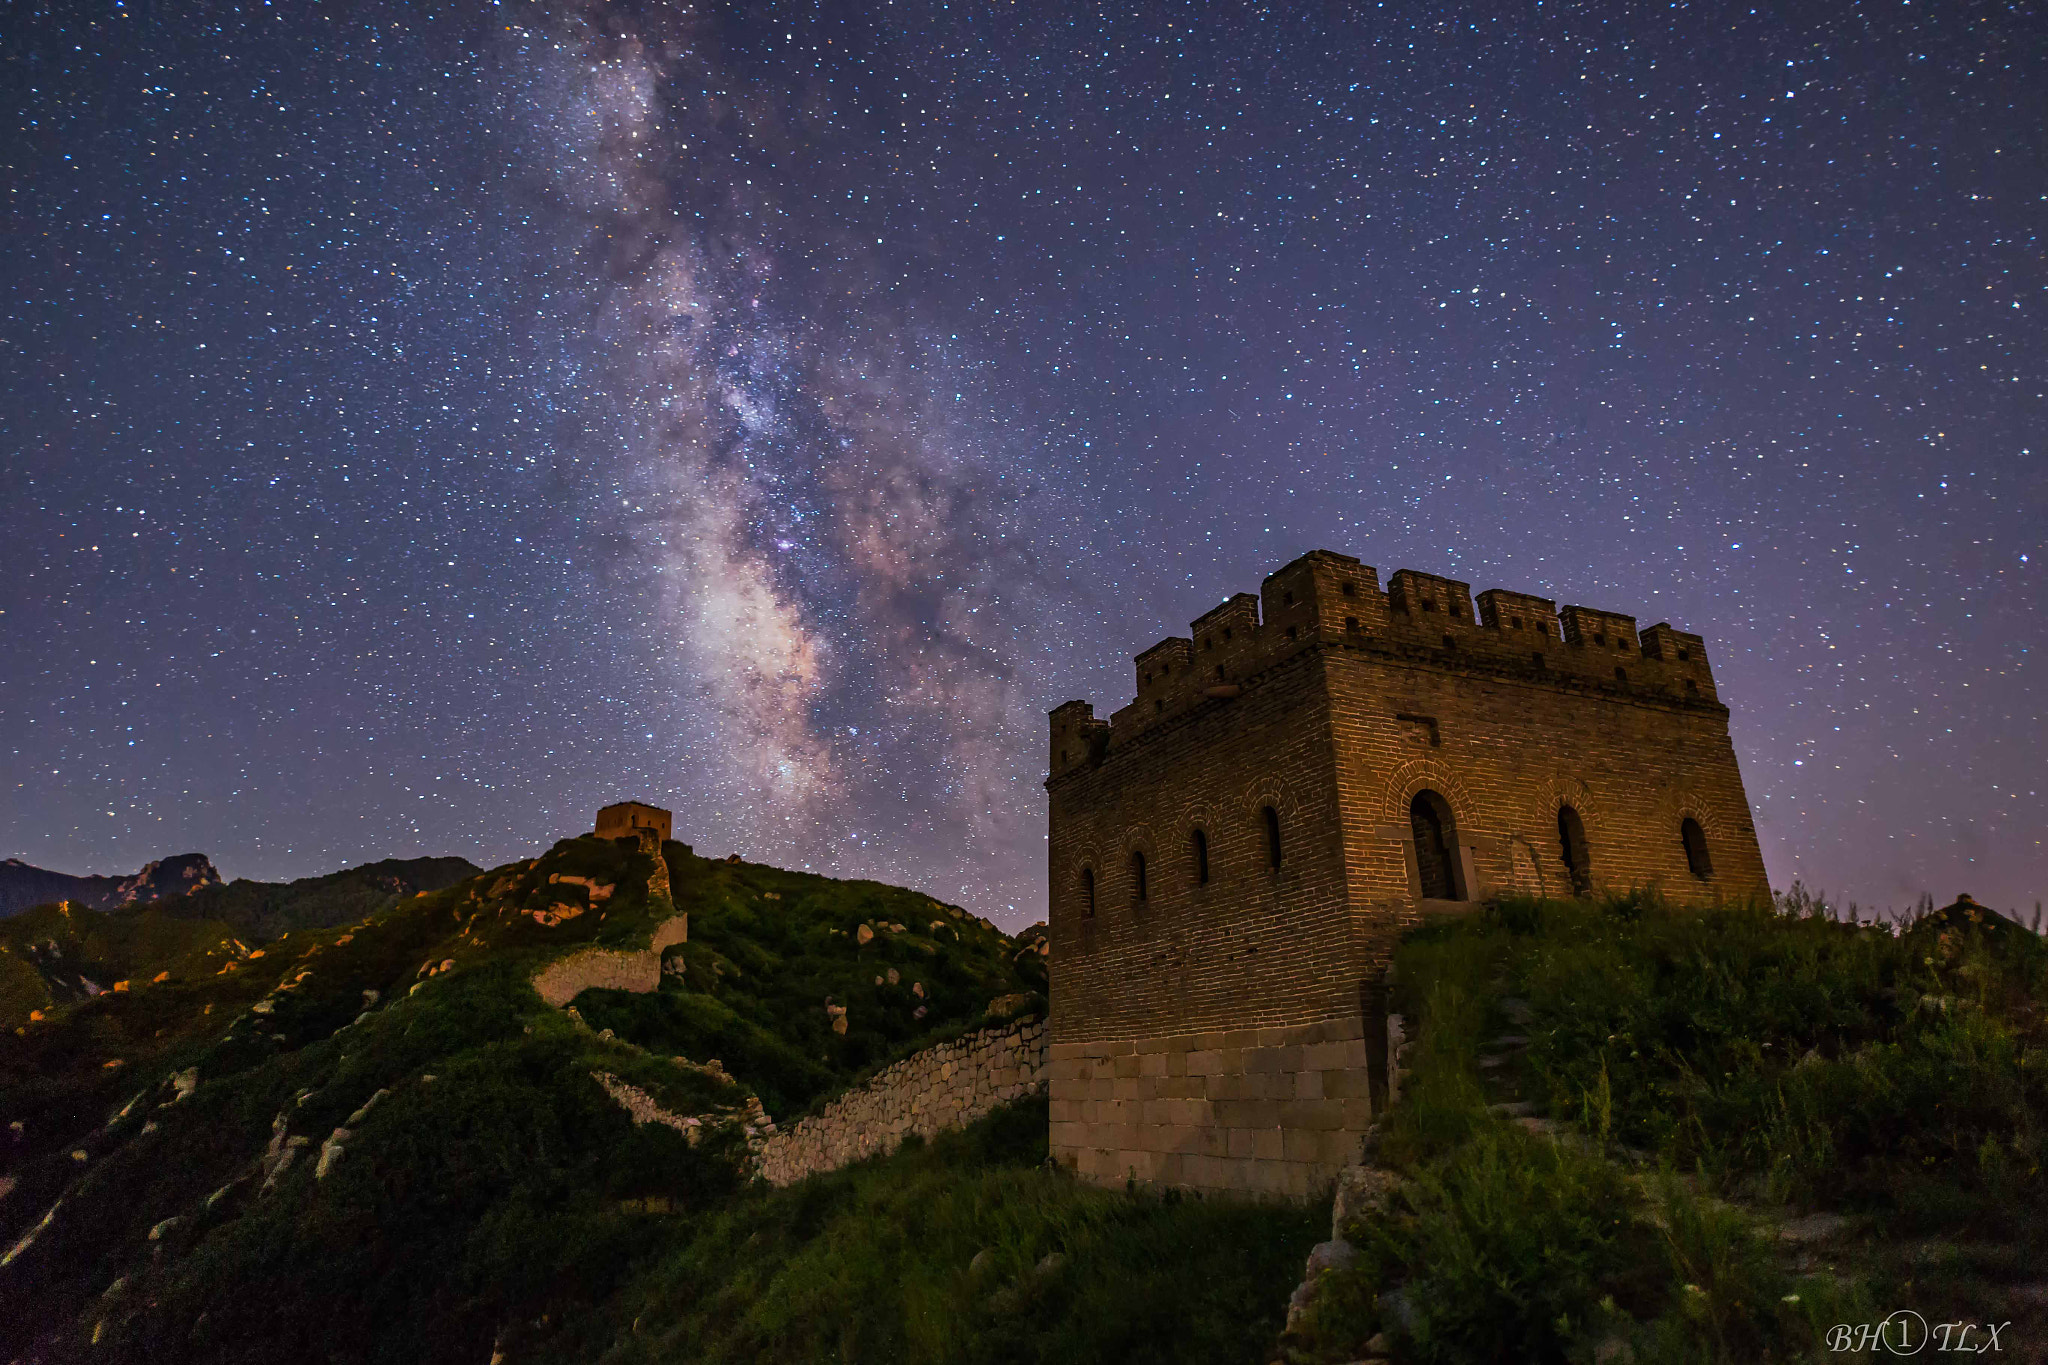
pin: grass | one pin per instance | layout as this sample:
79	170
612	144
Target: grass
1709	1075
969	1249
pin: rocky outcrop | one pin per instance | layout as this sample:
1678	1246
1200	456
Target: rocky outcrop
942	1087
23	885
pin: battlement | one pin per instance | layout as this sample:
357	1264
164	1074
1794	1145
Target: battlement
1326	600
1233	856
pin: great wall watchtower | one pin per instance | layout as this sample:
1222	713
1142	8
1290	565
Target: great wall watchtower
621	818
1234	853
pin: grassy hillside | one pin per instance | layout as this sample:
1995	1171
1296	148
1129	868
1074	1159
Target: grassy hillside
966	1250
61	953
267	909
1633	1132
375	1142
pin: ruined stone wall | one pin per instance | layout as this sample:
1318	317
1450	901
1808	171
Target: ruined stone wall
611	969
942	1087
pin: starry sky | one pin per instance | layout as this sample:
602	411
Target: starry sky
420	426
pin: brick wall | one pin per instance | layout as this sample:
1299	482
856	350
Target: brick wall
942	1087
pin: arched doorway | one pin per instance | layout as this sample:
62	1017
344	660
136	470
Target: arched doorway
1571	849
1429	819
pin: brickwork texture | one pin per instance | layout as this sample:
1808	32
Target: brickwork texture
942	1087
1235	852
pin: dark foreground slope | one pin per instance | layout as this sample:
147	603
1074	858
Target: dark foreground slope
376	1142
1629	1132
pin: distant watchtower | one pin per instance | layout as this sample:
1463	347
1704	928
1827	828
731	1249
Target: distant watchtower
1234	854
618	821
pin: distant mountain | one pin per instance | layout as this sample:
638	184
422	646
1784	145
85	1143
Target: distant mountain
378	1140
61	949
266	909
23	885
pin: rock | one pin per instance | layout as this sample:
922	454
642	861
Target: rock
1395	1304
1814	1227
1613	1350
1051	1264
895	977
184	1082
863	935
285	1157
1362	1192
1334	1254
156	1234
1005	1006
983	1260
1377	1344
364	1112
330	1152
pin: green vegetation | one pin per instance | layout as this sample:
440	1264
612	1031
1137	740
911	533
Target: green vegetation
372	1141
164	1188
60	953
267	909
970	1249
769	949
1762	1122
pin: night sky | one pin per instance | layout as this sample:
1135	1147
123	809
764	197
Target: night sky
418	429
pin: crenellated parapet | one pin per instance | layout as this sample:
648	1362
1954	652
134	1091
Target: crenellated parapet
1325	600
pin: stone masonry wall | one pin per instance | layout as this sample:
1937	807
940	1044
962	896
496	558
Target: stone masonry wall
1269	1111
942	1087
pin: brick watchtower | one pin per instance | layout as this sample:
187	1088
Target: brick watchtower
1235	852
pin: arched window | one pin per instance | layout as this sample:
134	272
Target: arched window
1138	889
1088	893
1198	844
1430	822
1272	819
1696	856
1571	849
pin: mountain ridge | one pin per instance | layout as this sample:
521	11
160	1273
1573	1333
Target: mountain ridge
24	885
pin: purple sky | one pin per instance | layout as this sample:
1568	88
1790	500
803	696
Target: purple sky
417	430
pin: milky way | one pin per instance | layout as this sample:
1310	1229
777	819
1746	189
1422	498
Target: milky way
421	427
